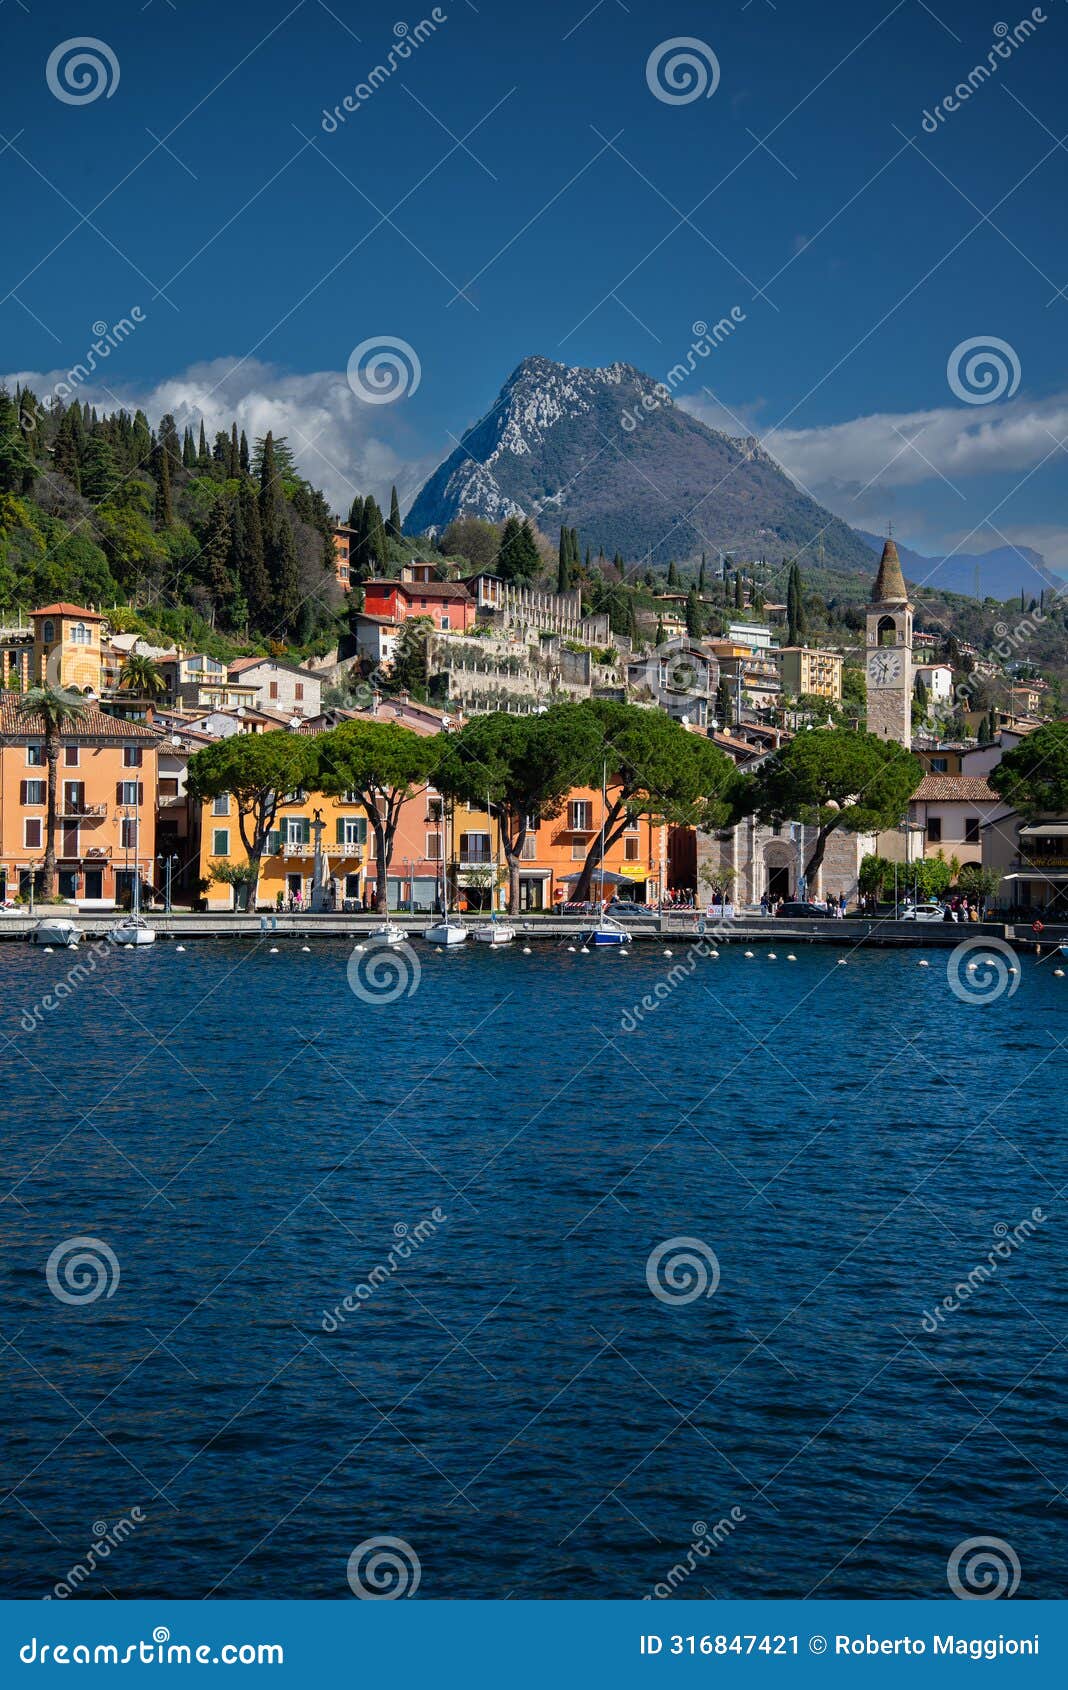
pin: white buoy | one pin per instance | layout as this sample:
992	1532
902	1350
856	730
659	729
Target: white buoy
1059	972
526	950
1014	970
48	950
623	951
791	957
305	947
923	964
179	947
585	949
669	953
570	947
273	951
841	962
772	957
713	953
748	953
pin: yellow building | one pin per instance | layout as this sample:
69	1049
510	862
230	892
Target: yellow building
805	671
66	647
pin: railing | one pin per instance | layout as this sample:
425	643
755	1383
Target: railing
81	812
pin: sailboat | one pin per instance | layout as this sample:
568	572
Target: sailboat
132	930
388	934
494	932
448	932
607	931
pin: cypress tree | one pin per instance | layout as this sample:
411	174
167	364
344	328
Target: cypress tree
215	561
164	513
189	451
170	443
394	526
246	461
563	561
203	457
251	564
356	514
270	495
65	455
233	465
693	614
672	575
701	575
285	578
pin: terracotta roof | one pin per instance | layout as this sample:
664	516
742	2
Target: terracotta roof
93	725
240	664
424	589
68	610
889	585
947	789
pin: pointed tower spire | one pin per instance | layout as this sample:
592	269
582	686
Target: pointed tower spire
889	585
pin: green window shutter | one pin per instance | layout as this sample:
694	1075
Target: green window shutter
361	831
274	841
303	830
340	830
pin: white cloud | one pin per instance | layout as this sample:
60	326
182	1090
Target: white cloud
342	445
902	449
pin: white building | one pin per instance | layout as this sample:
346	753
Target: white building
283	687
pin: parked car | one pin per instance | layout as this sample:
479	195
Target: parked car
803	910
626	909
922	912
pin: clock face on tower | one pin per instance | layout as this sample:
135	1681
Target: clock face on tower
885	668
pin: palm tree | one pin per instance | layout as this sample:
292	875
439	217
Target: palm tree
55	709
142	675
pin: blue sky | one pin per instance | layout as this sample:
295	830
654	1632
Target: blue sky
515	185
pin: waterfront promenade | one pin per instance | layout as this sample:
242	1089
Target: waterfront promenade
681	926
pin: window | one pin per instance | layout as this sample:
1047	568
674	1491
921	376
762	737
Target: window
35	756
298	690
220	806
580	815
70	757
296	830
31	833
132	756
214	666
48	631
971	830
630	850
445	623
578	851
73	797
350	797
934	829
79	634
433	847
272	689
530	848
939	765
475	848
352	831
128	792
632	821
168	786
220	842
128	833
32	792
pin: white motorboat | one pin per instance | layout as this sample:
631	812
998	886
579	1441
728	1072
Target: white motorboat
494	933
132	931
56	930
388	934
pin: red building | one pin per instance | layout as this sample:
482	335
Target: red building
449	605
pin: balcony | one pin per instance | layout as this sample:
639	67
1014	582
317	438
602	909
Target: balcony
80	812
476	859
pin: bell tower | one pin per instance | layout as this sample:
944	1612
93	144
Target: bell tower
889	652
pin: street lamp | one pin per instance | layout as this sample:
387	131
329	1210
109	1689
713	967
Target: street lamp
167	864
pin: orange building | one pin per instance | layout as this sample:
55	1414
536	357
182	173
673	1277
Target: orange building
106	805
66	647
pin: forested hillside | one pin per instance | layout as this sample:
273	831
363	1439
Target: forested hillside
102	509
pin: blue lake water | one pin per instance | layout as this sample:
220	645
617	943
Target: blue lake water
250	1139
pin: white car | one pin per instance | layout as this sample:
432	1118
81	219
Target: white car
922	912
